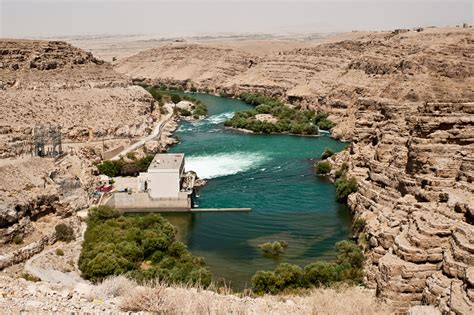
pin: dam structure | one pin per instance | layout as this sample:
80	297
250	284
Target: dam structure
164	187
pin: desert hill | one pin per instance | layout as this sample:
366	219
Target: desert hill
54	82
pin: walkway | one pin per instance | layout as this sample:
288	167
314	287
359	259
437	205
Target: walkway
154	134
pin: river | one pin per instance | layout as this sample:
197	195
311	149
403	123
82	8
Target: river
273	175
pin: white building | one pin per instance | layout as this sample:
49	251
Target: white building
164	176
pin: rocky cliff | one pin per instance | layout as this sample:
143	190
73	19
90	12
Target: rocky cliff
54	82
406	102
51	82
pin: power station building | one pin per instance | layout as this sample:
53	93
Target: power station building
165	186
164	177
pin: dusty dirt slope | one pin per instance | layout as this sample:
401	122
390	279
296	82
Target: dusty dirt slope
54	82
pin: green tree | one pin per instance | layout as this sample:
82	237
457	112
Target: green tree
175	98
327	153
64	232
323	167
344	187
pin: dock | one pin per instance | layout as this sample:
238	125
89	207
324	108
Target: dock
220	210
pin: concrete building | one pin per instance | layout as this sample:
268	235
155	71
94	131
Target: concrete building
164	187
164	176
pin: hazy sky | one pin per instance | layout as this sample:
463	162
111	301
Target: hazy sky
39	18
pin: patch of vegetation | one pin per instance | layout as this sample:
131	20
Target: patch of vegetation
64	232
275	248
346	268
342	170
59	252
175	98
18	239
323	167
29	277
322	121
289	120
141	247
358	226
131	156
327	154
122	168
344	187
163	94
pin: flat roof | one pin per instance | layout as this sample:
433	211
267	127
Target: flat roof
166	161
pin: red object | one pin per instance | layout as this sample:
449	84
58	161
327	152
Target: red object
104	188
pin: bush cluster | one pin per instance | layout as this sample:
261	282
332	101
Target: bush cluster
122	168
323	167
344	187
64	233
290	120
163	93
273	248
347	267
342	170
327	154
141	247
322	121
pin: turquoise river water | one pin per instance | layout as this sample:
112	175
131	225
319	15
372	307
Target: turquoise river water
273	175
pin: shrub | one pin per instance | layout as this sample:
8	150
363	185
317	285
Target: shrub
320	273
344	187
110	168
347	268
142	247
288	276
358	226
130	170
264	282
175	98
200	110
274	249
18	239
29	277
327	153
131	155
322	121
323	167
59	252
325	124
64	232
349	253
342	170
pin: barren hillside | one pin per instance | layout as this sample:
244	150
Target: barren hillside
406	101
54	82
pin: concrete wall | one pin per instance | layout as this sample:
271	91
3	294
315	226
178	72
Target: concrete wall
106	155
163	184
136	202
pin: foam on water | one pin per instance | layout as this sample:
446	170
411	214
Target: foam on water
212	166
220	118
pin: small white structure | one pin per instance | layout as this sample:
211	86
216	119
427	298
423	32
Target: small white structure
164	176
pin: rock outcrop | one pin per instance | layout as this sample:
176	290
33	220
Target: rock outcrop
406	102
55	83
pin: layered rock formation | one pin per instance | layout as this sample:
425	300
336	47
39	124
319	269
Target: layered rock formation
406	101
53	82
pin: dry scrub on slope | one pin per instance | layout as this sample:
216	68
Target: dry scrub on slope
156	297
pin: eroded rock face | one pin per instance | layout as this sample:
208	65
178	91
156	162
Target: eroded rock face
416	191
406	101
55	83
